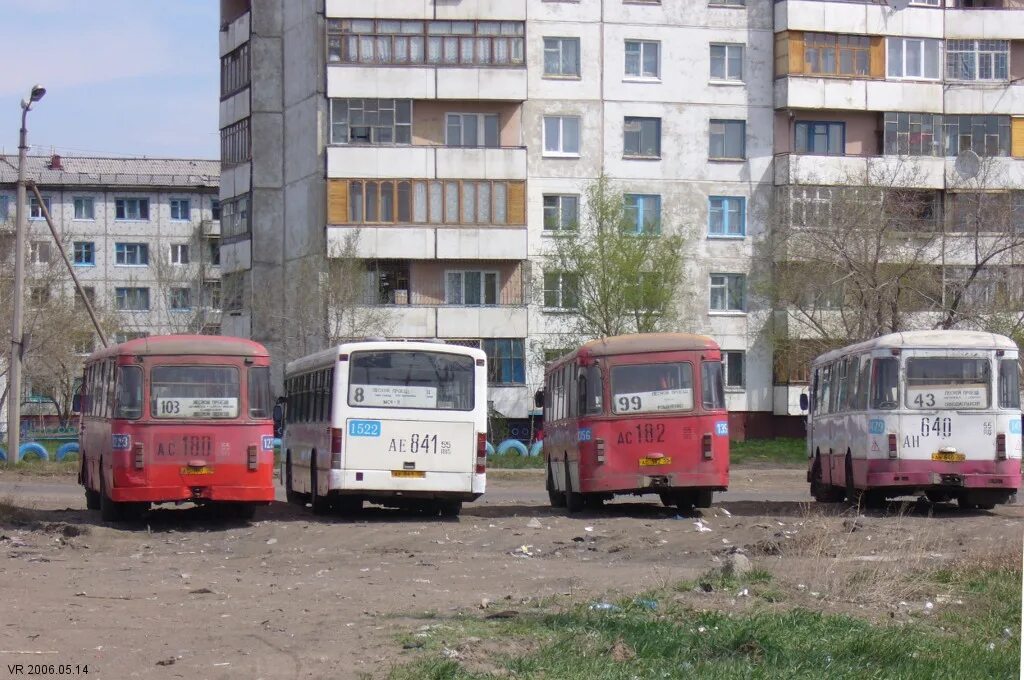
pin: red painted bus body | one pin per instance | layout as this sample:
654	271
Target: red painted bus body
177	418
637	414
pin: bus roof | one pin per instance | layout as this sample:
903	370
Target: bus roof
640	343
329	356
189	345
934	339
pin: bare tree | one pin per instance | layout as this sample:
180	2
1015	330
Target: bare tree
613	275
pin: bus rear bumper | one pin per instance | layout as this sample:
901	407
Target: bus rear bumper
172	494
464	486
655	483
923	474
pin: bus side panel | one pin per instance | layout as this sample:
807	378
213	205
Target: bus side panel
562	451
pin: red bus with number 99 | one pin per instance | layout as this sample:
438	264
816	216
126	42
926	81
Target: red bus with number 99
177	418
636	414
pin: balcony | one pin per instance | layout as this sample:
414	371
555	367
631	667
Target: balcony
235	33
426	82
1000	97
210	228
426	162
403	9
996	173
858	94
415	321
912	172
992	23
211	272
431	242
840	16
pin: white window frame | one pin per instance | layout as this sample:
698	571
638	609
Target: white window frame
560	151
642	48
563	280
460	300
137	248
176	204
35	212
728	357
40	252
481	120
177	295
560	43
726	76
559	210
81	202
896	69
726	284
177	250
978	53
341	126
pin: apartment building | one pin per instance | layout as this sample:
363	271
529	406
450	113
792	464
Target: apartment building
142	234
445	145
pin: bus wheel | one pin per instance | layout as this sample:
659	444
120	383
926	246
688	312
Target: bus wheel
823	493
852	497
702	498
290	494
110	511
450	508
348	505
321	504
92	496
574	502
556	497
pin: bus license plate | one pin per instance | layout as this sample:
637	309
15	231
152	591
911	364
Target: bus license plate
414	474
204	470
949	456
655	461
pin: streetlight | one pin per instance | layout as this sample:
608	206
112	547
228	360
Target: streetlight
17	339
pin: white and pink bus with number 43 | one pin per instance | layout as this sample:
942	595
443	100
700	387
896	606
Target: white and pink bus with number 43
932	412
398	423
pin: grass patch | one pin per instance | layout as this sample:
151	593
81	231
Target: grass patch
42	468
775	451
673	640
513	461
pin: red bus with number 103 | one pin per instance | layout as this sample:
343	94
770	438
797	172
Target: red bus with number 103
636	414
177	418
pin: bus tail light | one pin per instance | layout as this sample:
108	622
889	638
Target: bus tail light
599	449
892	446
481	453
335	448
253	461
1000	445
705	445
139	457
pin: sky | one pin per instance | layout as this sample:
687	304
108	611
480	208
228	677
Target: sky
122	77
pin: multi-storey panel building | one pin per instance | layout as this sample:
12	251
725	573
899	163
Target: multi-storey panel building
142	235
445	145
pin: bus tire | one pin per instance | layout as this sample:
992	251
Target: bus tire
574	502
33	447
852	497
450	508
824	493
321	505
67	449
290	494
110	510
702	498
555	497
348	505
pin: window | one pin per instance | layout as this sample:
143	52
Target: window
84	208
913	134
234	71
39	252
235	217
505	362
4	208
472	129
726	62
90	295
84	253
649	388
438	43
914	58
727	216
179	253
236	143
426	380
131	254
214	208
181	209
561	212
131	299
38	295
1009	384
431	202
732	363
885	374
261	402
948	383
643	59
977	59
214	253
211	294
180	299
643	213
562	57
561	136
728	292
822	138
561	290
371	121
828	54
35	211
641	137
727	3
985	135
200	392
728	139
471	288
131	208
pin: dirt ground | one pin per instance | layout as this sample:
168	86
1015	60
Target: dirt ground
290	595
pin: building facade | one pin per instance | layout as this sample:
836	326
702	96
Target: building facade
142	235
444	146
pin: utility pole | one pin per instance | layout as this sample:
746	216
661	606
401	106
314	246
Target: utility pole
17	333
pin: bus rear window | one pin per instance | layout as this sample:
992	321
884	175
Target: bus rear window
260	403
712	385
1009	384
194	392
948	382
647	388
885	374
128	393
411	379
